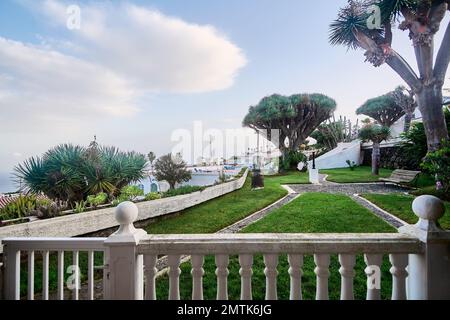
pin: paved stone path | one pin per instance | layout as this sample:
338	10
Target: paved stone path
348	188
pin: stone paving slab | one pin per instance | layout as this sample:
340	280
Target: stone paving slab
349	188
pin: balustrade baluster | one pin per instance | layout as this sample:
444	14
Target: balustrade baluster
399	262
150	271
197	273
174	276
90	275
271	262
373	272
222	272
30	275
347	262
45	278
60	293
246	262
295	273
76	275
322	272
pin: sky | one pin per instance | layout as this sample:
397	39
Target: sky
134	73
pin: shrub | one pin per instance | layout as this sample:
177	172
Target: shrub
96	200
172	169
48	211
152	196
118	201
22	206
130	193
413	148
438	164
80	206
351	164
292	159
182	190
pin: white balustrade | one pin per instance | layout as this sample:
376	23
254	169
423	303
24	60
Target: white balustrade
322	272
373	273
197	277
91	279
222	261
30	295
271	273
150	271
347	262
45	273
398	270
422	248
76	275
60	293
246	262
174	276
42	248
295	273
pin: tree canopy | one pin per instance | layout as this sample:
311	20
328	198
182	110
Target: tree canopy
368	24
172	169
374	132
295	116
384	109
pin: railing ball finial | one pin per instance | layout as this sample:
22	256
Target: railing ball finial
429	209
126	213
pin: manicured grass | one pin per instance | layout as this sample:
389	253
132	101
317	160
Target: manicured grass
401	206
360	174
290	177
219	213
320	212
313	212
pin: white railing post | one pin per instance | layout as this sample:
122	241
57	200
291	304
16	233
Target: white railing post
428	272
2	287
124	280
12	272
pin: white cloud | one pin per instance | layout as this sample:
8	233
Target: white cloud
45	83
155	52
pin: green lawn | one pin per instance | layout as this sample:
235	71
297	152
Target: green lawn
320	212
360	174
401	206
314	212
219	213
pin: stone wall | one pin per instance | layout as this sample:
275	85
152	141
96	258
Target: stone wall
389	158
88	222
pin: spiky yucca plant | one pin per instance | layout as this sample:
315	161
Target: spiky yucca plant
70	173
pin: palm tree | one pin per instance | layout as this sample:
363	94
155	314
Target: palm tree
356	27
377	134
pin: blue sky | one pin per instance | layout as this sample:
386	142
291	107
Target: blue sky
132	82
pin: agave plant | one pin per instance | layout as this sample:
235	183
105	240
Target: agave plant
70	173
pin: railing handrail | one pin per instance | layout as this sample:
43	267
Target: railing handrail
54	244
304	243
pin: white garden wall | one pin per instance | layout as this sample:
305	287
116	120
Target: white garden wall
87	222
337	157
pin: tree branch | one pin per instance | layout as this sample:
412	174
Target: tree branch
404	70
443	57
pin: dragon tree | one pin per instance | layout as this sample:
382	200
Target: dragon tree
369	25
296	117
